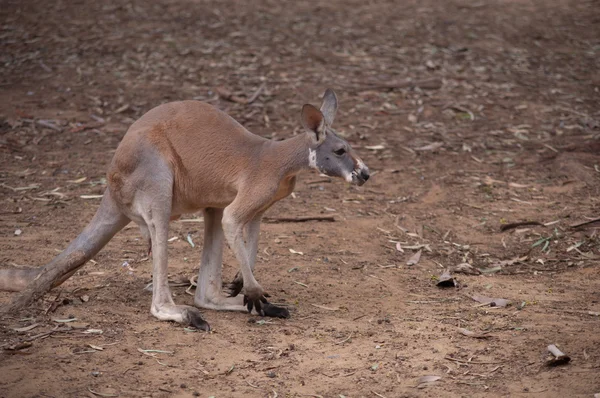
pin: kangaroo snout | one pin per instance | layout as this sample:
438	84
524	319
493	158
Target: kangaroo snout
361	174
364	174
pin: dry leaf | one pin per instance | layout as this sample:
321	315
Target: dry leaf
64	320
446	280
558	357
190	241
77	181
492	270
428	379
415	258
93	331
325	308
469	333
399	247
26	328
79	325
431	147
425	381
19	346
465	268
122	108
295	252
103	394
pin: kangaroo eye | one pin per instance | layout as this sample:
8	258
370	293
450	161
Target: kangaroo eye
340	151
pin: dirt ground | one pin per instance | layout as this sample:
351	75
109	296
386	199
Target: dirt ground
470	115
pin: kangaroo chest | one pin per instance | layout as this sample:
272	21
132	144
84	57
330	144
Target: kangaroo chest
286	187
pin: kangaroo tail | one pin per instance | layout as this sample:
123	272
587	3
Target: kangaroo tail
35	282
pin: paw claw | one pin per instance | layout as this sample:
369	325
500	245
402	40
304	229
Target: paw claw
235	287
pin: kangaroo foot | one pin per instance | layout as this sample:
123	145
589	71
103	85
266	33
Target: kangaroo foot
186	315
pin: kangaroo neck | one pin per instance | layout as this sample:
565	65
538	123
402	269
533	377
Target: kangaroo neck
294	154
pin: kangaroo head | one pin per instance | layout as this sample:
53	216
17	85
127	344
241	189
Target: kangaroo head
329	153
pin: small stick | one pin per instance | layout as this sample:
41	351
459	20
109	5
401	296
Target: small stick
55	303
298	219
322	181
254	96
473	362
46	123
100	394
514	225
581	224
343	341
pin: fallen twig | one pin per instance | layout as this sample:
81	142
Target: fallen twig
254	96
101	394
514	225
473	362
324	307
48	124
298	219
229	96
585	223
343	341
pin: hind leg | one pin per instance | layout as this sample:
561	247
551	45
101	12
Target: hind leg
151	210
163	307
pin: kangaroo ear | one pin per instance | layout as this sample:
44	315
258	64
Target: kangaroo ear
314	122
329	106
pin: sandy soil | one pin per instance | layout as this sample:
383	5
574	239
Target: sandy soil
471	115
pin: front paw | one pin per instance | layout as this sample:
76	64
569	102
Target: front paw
254	299
235	287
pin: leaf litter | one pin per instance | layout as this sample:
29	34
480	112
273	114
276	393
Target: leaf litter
426	381
414	259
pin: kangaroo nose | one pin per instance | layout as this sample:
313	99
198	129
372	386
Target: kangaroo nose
365	174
